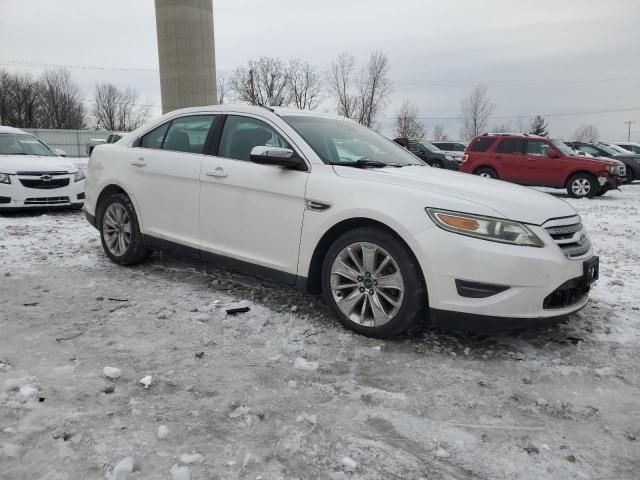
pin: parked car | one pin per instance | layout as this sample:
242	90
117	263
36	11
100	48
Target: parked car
388	240
631	160
431	154
630	146
616	148
455	149
94	142
34	175
537	161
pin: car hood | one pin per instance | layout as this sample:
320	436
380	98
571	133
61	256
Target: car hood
35	163
489	196
626	156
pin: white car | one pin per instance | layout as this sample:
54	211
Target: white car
388	240
34	175
630	147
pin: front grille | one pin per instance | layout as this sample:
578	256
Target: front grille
44	184
569	235
622	171
566	295
39	174
46	201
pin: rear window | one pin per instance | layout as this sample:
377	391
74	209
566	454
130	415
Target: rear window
482	144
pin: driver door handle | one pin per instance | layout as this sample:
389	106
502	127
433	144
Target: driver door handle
139	162
217	172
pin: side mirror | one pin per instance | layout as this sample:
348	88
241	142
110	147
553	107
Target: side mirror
60	152
280	157
552	154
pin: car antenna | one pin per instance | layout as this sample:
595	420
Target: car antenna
268	108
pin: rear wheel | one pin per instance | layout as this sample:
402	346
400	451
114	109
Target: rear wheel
120	232
437	164
582	185
372	283
486	172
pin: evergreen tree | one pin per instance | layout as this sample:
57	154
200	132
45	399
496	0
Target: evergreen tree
539	126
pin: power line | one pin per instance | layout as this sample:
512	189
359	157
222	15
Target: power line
83	67
571	114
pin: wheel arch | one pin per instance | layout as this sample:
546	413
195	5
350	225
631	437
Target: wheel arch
486	165
314	281
106	192
576	172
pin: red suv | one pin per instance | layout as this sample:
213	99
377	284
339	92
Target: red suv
534	160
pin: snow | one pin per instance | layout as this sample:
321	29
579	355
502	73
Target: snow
146	381
288	393
111	372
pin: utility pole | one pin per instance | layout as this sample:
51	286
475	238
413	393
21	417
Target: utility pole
629	122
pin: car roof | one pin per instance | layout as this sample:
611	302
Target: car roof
4	129
513	135
627	143
256	109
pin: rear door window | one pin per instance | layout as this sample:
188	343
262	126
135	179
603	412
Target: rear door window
482	144
510	145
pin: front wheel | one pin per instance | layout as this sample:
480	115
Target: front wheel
120	232
631	176
582	185
373	284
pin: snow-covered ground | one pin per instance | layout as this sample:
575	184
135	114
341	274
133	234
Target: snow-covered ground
282	391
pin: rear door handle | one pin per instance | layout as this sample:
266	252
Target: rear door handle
139	162
217	172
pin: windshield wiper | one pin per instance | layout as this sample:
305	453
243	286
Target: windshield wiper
362	163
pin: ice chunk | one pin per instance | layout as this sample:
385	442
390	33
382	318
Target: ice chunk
146	381
163	431
189	458
28	393
303	364
349	464
111	372
122	469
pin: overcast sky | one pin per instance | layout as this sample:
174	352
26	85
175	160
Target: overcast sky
535	57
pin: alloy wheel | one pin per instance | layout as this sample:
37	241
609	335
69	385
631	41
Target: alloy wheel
581	187
116	229
367	284
485	175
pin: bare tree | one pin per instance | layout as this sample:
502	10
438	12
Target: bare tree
116	109
476	110
262	82
374	87
438	133
19	100
305	83
341	84
502	128
586	133
407	124
222	87
61	101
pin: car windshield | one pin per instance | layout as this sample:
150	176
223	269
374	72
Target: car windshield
608	149
23	144
431	147
338	141
564	148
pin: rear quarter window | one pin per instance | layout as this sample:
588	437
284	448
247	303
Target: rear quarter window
481	144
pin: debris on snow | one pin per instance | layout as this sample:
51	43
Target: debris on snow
571	458
146	381
109	389
163	431
180	472
240	411
111	372
303	364
189	458
531	449
349	464
236	310
199	354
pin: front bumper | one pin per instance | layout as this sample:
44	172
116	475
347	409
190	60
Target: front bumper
531	275
16	196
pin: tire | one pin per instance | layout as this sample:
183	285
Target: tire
405	285
486	172
115	214
631	176
436	164
582	185
602	191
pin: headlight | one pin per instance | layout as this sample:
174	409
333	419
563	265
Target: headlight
79	175
612	169
448	157
4	178
485	228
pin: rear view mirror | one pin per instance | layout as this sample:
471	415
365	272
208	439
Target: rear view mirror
281	157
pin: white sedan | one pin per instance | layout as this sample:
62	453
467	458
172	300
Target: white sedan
33	175
388	240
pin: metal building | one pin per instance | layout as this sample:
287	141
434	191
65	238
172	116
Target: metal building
74	142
